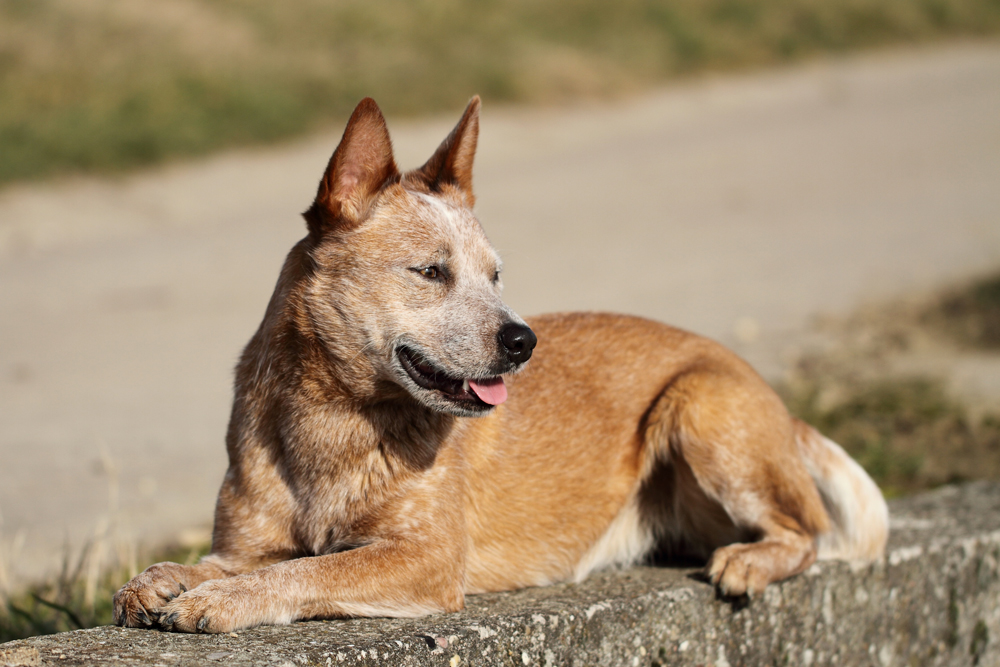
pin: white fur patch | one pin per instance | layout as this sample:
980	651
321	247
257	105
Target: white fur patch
392	609
624	543
440	208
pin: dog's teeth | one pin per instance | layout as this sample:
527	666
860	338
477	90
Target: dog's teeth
465	384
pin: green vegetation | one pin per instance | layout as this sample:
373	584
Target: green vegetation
905	432
80	597
104	86
969	315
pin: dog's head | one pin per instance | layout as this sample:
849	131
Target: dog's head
405	287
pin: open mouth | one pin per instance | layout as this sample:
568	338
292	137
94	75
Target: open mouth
470	393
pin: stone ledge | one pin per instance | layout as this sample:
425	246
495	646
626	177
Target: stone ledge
934	600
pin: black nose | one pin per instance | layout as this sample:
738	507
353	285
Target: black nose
518	340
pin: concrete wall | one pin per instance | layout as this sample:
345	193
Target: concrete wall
934	600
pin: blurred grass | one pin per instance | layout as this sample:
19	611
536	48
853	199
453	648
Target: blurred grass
906	432
80	596
105	85
970	315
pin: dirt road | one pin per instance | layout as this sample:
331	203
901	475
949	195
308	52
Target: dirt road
738	207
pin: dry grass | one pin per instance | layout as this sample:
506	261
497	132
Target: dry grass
969	315
906	432
79	596
109	84
905	429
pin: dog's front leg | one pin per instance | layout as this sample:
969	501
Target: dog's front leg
139	601
390	577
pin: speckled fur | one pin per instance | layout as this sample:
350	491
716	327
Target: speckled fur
352	491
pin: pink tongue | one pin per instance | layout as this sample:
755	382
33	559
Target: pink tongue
492	391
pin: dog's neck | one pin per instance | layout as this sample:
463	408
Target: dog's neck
342	458
290	373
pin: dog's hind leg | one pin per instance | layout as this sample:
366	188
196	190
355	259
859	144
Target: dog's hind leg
740	490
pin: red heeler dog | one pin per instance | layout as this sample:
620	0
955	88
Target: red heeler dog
391	449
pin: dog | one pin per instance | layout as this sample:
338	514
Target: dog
392	450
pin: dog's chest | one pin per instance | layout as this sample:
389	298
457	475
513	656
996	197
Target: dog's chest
351	507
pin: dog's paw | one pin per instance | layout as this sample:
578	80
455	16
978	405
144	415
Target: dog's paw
216	606
138	602
747	569
740	569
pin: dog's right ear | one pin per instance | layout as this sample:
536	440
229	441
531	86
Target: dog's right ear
360	166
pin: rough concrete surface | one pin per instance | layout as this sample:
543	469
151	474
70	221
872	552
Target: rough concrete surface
933	600
736	206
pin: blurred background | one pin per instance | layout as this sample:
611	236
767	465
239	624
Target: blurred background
814	183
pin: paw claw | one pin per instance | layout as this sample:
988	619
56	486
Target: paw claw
202	623
141	602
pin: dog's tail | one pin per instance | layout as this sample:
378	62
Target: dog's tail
859	517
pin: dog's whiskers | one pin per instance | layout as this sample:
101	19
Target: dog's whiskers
360	352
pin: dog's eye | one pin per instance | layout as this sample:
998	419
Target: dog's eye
496	276
430	272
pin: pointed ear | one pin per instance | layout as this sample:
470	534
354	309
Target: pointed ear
451	163
360	166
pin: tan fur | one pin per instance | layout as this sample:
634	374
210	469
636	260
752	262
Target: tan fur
355	490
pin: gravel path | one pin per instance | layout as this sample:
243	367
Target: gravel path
739	207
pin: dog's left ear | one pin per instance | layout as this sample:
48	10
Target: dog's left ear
360	166
451	164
